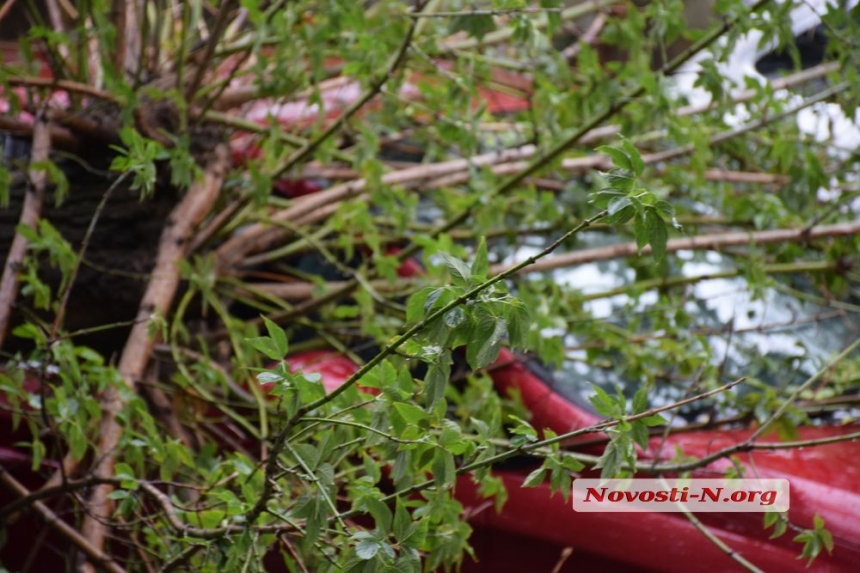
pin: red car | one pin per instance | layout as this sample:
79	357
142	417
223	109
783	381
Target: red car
536	529
539	531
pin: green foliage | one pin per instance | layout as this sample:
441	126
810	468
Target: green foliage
814	540
138	155
619	457
230	451
625	201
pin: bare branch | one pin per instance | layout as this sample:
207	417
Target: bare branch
712	242
260	236
30	213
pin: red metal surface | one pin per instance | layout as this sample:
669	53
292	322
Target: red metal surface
333	367
824	480
664	542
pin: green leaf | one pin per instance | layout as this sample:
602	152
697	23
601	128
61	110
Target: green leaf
438	298
475	25
640	433
523	431
618	157
460	273
485	339
665	208
611	461
605	404
269	378
37	452
212	518
818	522
454	317
371	468
402	521
780	528
519	322
267	346
640	401
415	307
410	413
826	539
776	520
602	198
118	494
437	380
481	263
381	514
617	204
444	470
77	442
278	336
123	471
382	376
640	231
405	382
621	179
637	165
572	464
658	236
535	478
401	465
654	420
367	549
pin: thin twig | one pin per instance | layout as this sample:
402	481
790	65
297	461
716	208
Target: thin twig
8	513
801	389
67	291
749	444
182	559
719	543
538	446
571	52
581	9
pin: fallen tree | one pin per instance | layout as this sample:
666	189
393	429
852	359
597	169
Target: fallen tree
210	188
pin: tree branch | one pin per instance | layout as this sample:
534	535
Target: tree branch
279	442
30	213
96	556
156	301
712	242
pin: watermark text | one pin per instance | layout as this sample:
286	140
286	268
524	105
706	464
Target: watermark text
670	495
